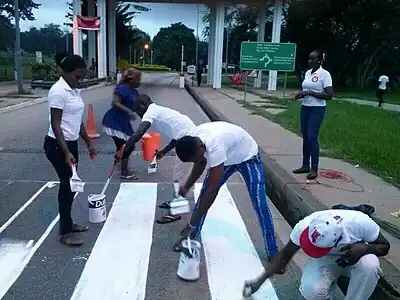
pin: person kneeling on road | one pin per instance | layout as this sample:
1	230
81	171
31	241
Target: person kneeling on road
227	149
169	123
339	242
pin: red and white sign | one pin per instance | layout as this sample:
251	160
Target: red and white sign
86	23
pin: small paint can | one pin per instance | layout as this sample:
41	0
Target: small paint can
189	261
97	208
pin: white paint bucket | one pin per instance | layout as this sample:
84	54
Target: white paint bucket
97	208
189	261
179	205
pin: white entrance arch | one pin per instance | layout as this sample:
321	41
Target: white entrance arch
107	60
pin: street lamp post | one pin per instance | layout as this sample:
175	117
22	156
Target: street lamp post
17	54
145	48
183	49
151	57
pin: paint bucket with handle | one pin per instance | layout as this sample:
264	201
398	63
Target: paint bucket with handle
97	202
77	184
150	143
189	261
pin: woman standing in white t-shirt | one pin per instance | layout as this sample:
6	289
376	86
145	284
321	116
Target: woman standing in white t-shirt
61	143
317	88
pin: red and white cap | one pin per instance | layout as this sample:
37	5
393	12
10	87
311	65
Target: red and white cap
322	235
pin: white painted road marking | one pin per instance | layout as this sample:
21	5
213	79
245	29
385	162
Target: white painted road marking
22	208
117	267
12	269
229	252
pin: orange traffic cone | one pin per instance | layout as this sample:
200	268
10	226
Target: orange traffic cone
91	125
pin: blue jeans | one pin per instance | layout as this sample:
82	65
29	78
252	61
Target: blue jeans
311	118
252	173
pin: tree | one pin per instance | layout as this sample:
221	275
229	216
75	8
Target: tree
6	34
126	34
167	45
25	9
51	36
365	31
361	38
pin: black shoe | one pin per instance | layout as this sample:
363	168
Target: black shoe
302	170
312	175
71	239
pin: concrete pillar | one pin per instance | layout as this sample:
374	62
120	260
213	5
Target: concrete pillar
209	57
92	41
111	32
77	33
260	37
210	75
102	40
218	45
276	38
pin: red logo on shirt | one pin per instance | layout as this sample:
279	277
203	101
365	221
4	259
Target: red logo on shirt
314	79
314	236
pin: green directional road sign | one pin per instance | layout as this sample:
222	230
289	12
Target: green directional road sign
267	56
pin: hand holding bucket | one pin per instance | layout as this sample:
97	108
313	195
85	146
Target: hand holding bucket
189	261
150	143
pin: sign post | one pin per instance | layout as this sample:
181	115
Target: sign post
267	56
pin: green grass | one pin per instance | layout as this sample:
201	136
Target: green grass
391	95
358	134
7	65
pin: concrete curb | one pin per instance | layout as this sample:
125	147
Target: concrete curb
39	100
295	203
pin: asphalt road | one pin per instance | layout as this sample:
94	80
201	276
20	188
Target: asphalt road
129	256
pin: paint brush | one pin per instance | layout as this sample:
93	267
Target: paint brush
77	184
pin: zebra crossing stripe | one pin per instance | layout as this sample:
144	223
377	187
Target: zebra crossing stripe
118	264
229	252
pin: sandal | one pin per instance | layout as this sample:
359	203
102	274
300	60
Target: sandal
165	205
131	176
168	219
177	246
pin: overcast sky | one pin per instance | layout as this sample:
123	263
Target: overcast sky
161	15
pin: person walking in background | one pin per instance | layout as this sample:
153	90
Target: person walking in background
199	71
117	120
383	81
317	88
61	142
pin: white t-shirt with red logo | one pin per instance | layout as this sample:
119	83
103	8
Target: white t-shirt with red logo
316	82
357	227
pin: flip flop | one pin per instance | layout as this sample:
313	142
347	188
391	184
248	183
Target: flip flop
168	219
177	246
129	177
165	205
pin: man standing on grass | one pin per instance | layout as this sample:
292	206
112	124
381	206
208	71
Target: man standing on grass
338	242
226	149
383	81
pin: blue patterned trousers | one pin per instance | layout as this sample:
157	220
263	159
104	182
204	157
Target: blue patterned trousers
252	173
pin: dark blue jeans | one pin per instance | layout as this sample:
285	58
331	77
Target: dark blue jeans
311	118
